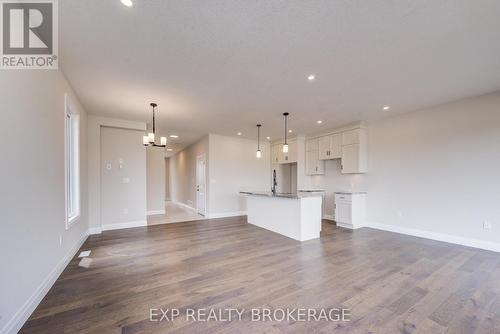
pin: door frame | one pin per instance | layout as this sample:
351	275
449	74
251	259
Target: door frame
201	157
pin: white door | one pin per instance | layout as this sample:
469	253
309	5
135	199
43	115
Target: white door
201	184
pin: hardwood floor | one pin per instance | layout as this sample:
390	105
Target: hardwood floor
391	283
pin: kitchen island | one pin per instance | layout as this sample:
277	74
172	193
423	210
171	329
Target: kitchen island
297	216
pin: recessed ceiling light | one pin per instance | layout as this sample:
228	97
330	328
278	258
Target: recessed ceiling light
239	133
311	77
386	108
319	122
127	3
290	131
268	138
174	136
169	149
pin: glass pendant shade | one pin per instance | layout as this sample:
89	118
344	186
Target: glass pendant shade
163	141
145	140
151	137
258	154
285	148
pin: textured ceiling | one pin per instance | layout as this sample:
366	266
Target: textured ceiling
223	66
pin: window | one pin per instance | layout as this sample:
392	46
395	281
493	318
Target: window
72	162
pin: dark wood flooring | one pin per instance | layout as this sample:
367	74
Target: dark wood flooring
391	283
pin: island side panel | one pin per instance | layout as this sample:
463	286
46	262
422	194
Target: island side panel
310	217
280	215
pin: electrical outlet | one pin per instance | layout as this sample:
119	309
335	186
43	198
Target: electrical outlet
399	213
487	225
60	239
125	211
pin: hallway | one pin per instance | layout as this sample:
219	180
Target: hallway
174	213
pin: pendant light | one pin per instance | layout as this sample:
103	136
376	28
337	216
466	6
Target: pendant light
149	140
258	154
285	144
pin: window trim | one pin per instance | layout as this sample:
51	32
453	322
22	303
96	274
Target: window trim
72	163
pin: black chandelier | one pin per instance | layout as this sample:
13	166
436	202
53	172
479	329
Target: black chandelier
149	140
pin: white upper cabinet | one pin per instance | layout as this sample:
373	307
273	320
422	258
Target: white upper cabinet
351	137
278	157
275	154
314	166
291	156
354	153
349	145
330	147
312	144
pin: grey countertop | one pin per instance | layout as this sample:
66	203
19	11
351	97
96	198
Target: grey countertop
299	194
350	192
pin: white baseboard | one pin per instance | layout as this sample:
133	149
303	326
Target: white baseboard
95	230
475	243
329	217
118	226
184	205
21	316
155	212
345	225
226	214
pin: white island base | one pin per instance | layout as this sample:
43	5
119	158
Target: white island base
296	217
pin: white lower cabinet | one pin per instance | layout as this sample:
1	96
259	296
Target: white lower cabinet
350	210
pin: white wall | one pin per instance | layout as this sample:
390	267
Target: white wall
434	170
182	170
95	124
233	168
123	178
155	164
33	189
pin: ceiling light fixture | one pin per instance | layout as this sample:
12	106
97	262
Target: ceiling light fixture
258	154
311	77
386	108
290	131
239	133
127	3
319	122
285	144
169	150
268	138
174	136
149	140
